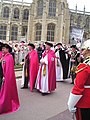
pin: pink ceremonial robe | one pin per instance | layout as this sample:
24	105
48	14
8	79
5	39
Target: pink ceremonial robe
33	68
9	101
51	71
0	54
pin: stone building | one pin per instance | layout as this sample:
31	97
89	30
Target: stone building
41	20
13	20
49	21
80	20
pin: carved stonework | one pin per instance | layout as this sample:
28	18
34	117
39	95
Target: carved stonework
55	12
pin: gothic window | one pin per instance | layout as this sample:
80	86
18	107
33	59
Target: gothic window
3	30
52	8
24	30
79	20
16	13
71	18
40	8
25	14
14	32
6	12
50	32
62	6
38	32
87	22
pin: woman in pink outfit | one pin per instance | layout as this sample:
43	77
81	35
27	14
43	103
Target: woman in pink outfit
9	101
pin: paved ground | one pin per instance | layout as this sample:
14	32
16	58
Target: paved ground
34	106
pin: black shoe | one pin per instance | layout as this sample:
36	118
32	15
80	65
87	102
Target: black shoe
43	94
72	82
24	87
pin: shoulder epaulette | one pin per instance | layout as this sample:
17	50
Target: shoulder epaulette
81	67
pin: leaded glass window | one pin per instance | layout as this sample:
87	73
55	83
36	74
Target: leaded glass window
25	14
50	32
24	30
40	8
14	32
38	31
87	22
3	31
52	8
6	12
16	13
79	20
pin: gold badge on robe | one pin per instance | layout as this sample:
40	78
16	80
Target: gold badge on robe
44	70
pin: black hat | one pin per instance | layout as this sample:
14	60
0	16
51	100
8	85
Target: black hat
74	46
32	45
59	44
7	46
22	42
48	43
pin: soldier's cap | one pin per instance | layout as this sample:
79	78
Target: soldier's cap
86	45
7	46
32	45
48	43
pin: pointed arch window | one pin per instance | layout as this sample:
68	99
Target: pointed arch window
50	32
6	12
79	20
87	22
16	13
71	18
14	32
3	31
52	8
24	30
38	32
40	8
25	14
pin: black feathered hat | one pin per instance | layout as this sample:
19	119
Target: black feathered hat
8	47
74	46
59	44
48	43
32	45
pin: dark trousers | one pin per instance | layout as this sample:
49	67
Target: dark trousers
26	82
73	76
85	113
26	75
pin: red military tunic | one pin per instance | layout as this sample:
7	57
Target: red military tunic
82	85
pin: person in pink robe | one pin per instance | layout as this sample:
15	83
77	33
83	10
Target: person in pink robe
46	78
1	71
31	69
0	54
9	101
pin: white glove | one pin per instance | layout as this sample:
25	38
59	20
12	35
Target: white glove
72	110
72	101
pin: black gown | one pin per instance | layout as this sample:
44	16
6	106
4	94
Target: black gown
1	75
64	62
